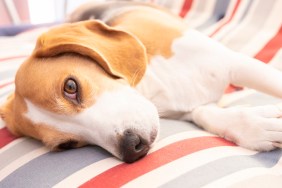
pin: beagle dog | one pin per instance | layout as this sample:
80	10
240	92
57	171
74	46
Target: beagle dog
106	82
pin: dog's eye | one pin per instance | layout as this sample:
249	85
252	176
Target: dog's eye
70	89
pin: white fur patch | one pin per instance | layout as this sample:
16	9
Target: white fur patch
196	74
108	118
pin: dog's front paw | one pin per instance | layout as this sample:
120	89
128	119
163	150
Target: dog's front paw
257	128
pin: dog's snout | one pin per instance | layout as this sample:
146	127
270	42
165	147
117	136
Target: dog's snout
133	146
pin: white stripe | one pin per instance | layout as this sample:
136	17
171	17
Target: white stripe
22	50
230	36
242	175
10	67
228	28
6	80
229	12
14	63
177	6
178	167
87	173
16	46
31	35
262	181
201	16
12	11
95	169
22	161
276	61
190	14
20	45
8	89
230	98
262	37
11	144
12	60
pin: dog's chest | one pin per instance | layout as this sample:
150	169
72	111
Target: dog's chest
193	76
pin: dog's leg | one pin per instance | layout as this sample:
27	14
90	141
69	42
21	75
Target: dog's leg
258	128
249	72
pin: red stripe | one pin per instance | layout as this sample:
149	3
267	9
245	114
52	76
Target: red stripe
229	20
13	57
185	8
6	84
271	48
124	173
5	137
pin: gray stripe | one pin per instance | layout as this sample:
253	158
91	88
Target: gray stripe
222	167
167	4
247	8
197	10
170	127
257	99
18	150
218	13
243	16
49	169
256	22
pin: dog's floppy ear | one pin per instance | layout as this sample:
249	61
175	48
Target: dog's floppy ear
118	52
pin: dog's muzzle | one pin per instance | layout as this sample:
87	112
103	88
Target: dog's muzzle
133	146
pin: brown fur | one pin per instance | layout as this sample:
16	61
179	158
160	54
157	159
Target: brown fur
164	28
46	76
107	46
100	57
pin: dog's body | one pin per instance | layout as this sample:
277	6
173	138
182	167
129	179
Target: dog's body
180	71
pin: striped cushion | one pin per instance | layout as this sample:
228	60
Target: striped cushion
184	156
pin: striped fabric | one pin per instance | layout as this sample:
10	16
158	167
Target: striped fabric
184	156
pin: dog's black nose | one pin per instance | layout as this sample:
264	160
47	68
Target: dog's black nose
133	147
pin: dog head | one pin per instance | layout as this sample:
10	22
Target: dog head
76	89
